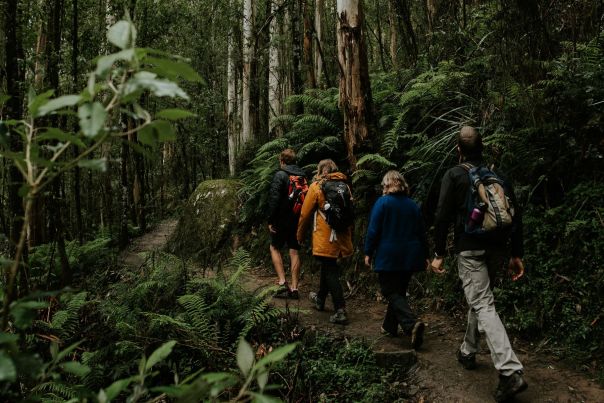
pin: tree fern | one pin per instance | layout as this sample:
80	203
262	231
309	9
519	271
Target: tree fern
66	322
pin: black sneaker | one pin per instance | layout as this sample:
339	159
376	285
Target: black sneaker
283	291
417	335
339	318
467	361
314	298
294	294
510	386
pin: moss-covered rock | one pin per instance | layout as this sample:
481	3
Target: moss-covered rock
206	229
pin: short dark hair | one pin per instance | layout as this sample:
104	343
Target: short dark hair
469	141
288	156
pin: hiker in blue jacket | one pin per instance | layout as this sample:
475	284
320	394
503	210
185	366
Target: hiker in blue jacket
396	246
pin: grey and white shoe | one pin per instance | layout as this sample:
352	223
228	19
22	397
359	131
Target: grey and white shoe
339	318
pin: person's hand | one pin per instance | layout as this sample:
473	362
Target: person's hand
368	261
516	268
437	265
272	229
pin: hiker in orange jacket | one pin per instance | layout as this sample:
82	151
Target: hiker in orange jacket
327	244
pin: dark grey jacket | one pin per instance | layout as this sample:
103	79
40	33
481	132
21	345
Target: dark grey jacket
452	208
280	212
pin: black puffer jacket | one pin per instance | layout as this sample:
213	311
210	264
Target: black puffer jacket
280	213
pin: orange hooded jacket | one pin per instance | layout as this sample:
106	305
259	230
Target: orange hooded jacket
321	243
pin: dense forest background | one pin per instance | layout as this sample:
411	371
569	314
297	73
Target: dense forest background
249	78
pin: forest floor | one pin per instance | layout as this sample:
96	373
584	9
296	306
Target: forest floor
437	376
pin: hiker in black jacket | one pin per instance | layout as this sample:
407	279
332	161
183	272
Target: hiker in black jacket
480	257
283	222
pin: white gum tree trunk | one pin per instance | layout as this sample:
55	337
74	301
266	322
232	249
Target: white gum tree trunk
248	53
275	78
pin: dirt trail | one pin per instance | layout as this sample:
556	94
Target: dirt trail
438	377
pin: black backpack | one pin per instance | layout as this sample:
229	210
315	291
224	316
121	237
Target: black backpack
337	209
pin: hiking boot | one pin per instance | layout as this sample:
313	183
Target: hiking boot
387	333
467	361
283	291
339	318
510	386
314	298
294	294
417	335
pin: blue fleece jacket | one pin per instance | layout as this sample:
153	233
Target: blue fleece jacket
396	238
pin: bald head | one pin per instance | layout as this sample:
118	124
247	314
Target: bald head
469	142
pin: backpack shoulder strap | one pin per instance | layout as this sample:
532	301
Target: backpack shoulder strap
467	166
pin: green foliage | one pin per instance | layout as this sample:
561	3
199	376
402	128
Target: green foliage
335	370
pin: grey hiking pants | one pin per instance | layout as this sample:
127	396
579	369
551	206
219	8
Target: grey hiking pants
474	267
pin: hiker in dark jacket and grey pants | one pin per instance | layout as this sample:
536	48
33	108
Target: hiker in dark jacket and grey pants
396	246
283	224
479	258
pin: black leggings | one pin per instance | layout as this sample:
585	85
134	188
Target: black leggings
394	289
330	282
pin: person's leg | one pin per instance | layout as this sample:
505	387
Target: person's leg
294	258
332	277
278	264
394	288
474	275
471	340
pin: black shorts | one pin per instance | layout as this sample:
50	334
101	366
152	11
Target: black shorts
285	236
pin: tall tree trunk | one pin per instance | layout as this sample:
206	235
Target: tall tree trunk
319	12
275	68
355	90
248	54
77	174
232	102
14	81
308	53
392	20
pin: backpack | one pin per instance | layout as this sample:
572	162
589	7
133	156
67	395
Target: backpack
337	209
296	192
489	208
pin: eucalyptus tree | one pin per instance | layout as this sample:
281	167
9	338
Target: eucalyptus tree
355	89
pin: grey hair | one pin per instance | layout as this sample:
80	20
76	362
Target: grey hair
394	182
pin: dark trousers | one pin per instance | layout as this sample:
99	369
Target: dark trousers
394	288
330	282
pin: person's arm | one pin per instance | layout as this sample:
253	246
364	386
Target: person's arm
444	213
374	229
276	192
311	202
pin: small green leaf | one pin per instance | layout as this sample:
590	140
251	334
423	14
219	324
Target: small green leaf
4	98
104	63
52	133
145	80
102	396
8	372
160	354
74	367
245	357
117	387
36	101
262	379
7	338
260	398
99	164
174	69
175	114
24	312
57	103
154	132
64	353
92	118
276	355
122	34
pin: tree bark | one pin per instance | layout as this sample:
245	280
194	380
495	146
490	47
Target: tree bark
319	12
275	69
248	54
308	52
232	102
355	90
